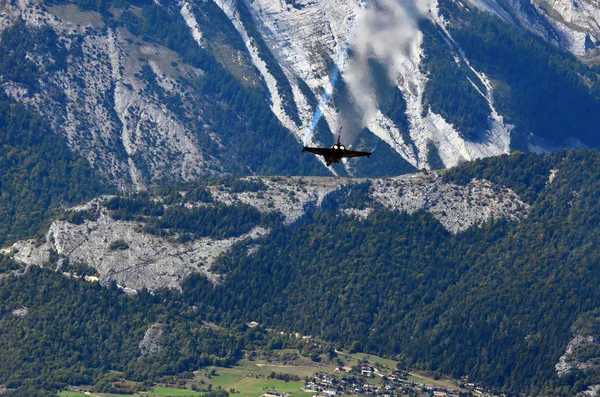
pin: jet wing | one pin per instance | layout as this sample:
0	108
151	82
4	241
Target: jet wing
354	153
318	150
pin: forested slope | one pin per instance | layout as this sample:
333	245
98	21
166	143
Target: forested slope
542	90
494	303
39	173
498	303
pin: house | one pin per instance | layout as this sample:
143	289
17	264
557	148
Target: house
323	394
327	380
310	386
366	370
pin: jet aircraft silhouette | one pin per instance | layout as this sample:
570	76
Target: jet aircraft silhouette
335	153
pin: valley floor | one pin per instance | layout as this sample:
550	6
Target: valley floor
256	377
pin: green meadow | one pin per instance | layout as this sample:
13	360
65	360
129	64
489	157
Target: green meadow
252	381
172	392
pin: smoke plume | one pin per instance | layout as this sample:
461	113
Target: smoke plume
384	30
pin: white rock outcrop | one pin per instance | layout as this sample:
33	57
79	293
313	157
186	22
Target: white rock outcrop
140	260
21	311
577	23
592	391
121	251
457	207
151	342
566	363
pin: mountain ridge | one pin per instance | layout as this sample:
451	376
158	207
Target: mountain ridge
146	258
153	92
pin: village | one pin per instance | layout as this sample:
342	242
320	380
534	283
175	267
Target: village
371	379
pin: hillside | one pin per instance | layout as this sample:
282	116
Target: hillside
502	300
495	303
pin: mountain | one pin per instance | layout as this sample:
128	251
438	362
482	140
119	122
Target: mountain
158	92
155	147
487	270
138	97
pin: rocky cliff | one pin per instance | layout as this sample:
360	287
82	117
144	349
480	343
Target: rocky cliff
135	256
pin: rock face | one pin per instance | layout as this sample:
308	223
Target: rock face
112	92
140	260
576	22
20	311
582	354
123	252
305	35
568	361
592	391
113	97
573	25
456	207
151	342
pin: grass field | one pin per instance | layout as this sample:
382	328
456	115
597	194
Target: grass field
391	364
249	380
169	391
69	393
156	392
422	378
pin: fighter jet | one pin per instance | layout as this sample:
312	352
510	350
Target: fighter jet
335	153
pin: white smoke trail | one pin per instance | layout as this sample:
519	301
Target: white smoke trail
334	75
386	30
